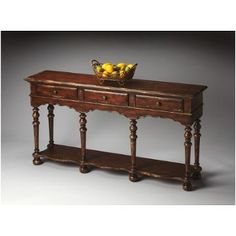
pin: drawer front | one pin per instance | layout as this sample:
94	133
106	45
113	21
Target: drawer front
159	103
113	98
56	91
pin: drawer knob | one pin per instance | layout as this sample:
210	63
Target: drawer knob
158	103
104	98
55	92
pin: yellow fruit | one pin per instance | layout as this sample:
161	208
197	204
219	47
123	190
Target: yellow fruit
104	65
114	74
127	69
105	74
109	68
99	69
130	66
121	65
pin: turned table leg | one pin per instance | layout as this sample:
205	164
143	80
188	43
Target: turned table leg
133	128
188	135
36	160
197	135
50	124
83	121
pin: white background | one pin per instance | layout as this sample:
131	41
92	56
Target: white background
117	220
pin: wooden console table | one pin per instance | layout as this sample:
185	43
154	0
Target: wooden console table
179	102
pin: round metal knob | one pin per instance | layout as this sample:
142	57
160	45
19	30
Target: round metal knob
104	98
158	103
55	92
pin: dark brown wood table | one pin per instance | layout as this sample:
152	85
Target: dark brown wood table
180	102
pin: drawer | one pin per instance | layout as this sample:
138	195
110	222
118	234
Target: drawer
159	103
113	98
56	91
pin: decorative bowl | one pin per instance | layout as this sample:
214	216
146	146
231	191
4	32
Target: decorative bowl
120	76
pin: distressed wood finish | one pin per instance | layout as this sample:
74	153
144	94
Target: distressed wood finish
139	98
74	90
133	128
188	135
83	129
50	124
118	162
159	103
114	98
56	91
36	160
197	135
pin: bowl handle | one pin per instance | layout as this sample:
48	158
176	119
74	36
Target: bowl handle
95	62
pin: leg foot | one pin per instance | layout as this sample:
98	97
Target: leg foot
84	169
187	186
133	177
37	161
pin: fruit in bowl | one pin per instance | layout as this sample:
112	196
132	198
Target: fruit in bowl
120	72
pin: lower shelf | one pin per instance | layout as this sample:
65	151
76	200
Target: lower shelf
120	162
